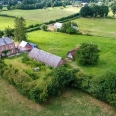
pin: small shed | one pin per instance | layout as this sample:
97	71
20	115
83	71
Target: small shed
24	46
46	57
57	25
36	69
71	54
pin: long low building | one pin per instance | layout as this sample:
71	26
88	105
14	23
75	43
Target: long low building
46	57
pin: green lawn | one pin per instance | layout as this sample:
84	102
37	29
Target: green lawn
60	44
70	103
41	15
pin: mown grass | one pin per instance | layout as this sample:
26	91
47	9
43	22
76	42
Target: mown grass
41	15
60	44
71	102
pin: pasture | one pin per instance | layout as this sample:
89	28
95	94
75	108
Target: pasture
104	27
41	15
9	22
60	44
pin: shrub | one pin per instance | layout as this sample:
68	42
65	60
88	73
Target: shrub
44	27
71	30
88	54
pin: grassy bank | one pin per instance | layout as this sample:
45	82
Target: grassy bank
71	102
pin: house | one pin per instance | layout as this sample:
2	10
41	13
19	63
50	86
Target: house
57	25
47	58
26	46
71	54
83	4
7	46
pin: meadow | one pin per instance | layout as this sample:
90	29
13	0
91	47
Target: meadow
104	27
60	44
41	15
9	22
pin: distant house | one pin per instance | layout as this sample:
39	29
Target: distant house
6	44
83	4
26	46
19	2
57	25
47	58
71	54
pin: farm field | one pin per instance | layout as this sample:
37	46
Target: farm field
42	15
9	22
71	102
97	26
60	44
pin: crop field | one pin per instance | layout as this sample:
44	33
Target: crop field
42	15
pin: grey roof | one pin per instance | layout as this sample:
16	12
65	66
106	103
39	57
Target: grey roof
47	58
5	41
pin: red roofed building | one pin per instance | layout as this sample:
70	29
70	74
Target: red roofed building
71	54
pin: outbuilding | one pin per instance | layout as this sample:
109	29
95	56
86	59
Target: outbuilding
46	57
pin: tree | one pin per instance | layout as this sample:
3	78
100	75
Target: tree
1	33
88	54
113	8
86	11
44	27
1	6
20	29
8	32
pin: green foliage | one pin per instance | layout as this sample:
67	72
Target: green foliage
113	8
94	11
8	32
31	73
67	27
20	29
88	54
44	27
86	11
1	33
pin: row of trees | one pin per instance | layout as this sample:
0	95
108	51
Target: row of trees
35	4
94	11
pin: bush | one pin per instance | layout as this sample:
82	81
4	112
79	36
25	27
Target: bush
44	27
88	54
71	30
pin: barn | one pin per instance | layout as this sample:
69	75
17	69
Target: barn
26	46
71	54
46	57
57	25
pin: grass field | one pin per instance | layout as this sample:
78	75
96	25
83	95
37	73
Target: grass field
42	15
60	44
7	21
104	27
70	103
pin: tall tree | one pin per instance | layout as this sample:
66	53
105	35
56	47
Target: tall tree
20	29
